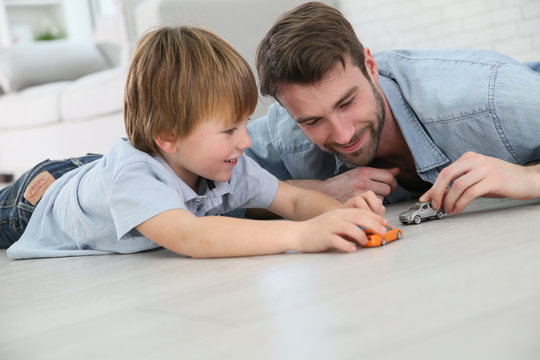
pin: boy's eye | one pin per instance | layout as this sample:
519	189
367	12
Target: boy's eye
230	131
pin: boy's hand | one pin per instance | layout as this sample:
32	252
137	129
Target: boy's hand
339	229
367	200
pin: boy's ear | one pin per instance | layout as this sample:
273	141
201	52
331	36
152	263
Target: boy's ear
166	142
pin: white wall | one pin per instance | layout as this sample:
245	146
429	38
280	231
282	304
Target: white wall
509	26
77	19
22	21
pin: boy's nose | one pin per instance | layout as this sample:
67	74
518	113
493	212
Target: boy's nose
244	140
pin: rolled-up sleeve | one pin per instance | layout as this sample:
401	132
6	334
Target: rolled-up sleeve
516	102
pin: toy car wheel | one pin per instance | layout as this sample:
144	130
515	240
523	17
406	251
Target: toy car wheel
399	235
439	214
417	219
383	242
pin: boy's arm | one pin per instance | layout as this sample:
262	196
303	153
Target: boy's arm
217	236
220	236
295	203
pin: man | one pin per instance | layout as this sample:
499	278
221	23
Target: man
448	125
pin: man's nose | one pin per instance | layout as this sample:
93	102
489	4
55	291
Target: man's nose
341	130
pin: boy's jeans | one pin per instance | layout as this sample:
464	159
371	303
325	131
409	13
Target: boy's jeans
15	209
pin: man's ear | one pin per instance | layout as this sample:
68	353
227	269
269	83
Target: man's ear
166	142
371	65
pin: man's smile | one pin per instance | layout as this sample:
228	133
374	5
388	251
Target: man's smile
354	145
356	142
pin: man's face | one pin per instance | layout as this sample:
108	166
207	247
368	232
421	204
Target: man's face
343	114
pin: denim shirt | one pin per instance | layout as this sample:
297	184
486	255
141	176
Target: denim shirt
446	102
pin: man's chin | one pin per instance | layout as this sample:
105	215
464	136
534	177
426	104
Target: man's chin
347	159
354	159
361	157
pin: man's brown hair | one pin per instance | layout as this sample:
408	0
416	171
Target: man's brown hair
303	45
180	76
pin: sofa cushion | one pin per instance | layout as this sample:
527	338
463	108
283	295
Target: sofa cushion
38	63
93	95
38	105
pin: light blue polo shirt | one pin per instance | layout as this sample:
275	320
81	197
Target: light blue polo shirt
94	209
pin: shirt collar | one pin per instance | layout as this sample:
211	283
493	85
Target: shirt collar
427	156
220	189
342	166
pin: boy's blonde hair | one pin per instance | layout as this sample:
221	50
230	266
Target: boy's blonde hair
180	76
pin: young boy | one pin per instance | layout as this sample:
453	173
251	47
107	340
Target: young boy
187	100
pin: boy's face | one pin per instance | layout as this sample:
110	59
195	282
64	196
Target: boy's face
211	151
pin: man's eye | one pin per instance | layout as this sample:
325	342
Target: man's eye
344	105
311	122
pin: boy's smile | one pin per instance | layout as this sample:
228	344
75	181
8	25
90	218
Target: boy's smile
232	162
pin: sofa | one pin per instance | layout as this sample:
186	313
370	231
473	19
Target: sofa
71	115
63	99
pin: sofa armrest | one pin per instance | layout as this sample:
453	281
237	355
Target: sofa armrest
94	95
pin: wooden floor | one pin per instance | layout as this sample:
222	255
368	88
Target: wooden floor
465	287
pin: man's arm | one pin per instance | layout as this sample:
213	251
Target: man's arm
344	187
353	183
474	175
298	204
516	106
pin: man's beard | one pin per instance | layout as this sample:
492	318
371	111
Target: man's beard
367	153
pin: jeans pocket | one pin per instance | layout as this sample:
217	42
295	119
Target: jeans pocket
7	236
14	215
11	230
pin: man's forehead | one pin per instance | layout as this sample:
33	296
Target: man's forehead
338	71
303	100
316	78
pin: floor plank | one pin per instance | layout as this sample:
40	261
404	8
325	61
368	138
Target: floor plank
466	286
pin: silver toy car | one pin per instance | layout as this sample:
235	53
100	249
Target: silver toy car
419	212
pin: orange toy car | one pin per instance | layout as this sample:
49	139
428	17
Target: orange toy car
375	239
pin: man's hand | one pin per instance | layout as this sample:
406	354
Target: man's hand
474	175
358	180
367	200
